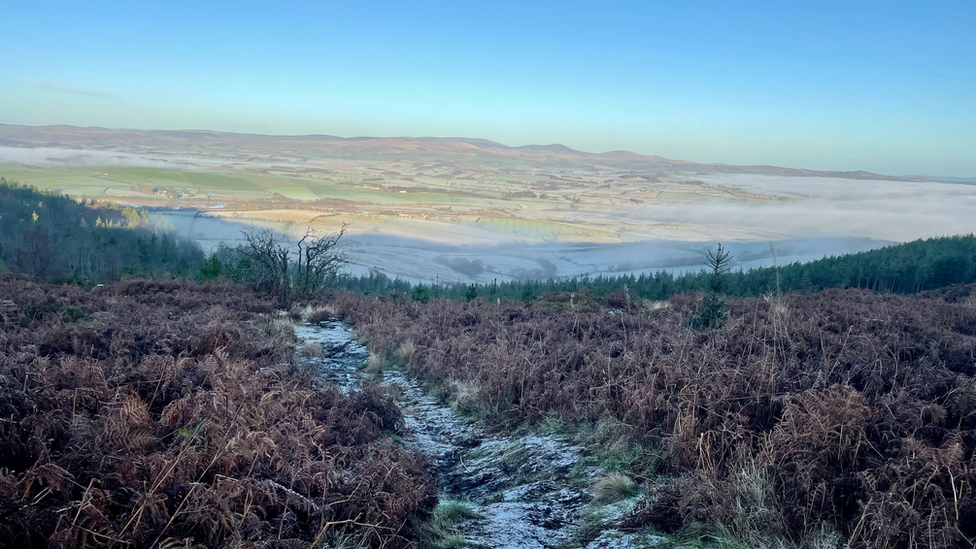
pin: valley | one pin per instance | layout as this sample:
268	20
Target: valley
425	209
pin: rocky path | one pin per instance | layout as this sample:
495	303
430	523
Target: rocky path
528	490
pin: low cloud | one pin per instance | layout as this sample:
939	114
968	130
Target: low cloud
47	157
892	218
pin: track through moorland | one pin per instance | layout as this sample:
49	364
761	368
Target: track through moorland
525	490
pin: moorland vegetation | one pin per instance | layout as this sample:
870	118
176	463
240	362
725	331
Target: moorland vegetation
172	414
841	418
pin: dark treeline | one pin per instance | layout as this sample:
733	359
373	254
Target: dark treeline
903	269
49	237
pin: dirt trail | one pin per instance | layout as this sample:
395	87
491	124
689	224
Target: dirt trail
522	486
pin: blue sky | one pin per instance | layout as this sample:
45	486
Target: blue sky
861	84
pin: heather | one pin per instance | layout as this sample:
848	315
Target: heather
812	420
167	413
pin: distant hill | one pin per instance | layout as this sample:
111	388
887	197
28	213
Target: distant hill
459	150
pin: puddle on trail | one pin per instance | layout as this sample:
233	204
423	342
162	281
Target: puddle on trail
521	486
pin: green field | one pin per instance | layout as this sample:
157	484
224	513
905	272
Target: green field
94	180
217	182
271	181
296	193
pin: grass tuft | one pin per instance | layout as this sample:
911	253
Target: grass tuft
310	349
375	364
593	522
453	512
405	351
613	487
441	530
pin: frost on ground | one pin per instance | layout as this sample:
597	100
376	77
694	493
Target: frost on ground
521	486
341	357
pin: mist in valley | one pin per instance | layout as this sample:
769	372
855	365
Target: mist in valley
813	217
421	260
53	157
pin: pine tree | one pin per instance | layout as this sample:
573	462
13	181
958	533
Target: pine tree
211	269
712	312
420	293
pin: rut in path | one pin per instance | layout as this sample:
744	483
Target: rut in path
521	486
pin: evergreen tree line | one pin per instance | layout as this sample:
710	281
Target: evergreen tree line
48	237
904	269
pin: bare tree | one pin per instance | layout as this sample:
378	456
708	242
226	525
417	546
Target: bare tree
319	260
268	257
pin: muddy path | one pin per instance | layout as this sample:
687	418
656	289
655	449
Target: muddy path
528	490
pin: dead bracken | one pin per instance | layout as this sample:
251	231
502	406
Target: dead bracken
171	414
851	417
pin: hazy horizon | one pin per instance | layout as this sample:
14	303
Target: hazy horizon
874	86
8	157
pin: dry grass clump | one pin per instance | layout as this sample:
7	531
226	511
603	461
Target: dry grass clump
313	313
172	419
656	305
311	349
405	351
318	313
844	408
612	488
376	363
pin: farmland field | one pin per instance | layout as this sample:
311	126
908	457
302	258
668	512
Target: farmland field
412	200
297	193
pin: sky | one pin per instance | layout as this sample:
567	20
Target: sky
886	86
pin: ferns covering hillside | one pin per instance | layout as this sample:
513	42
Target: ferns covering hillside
52	238
803	421
153	414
